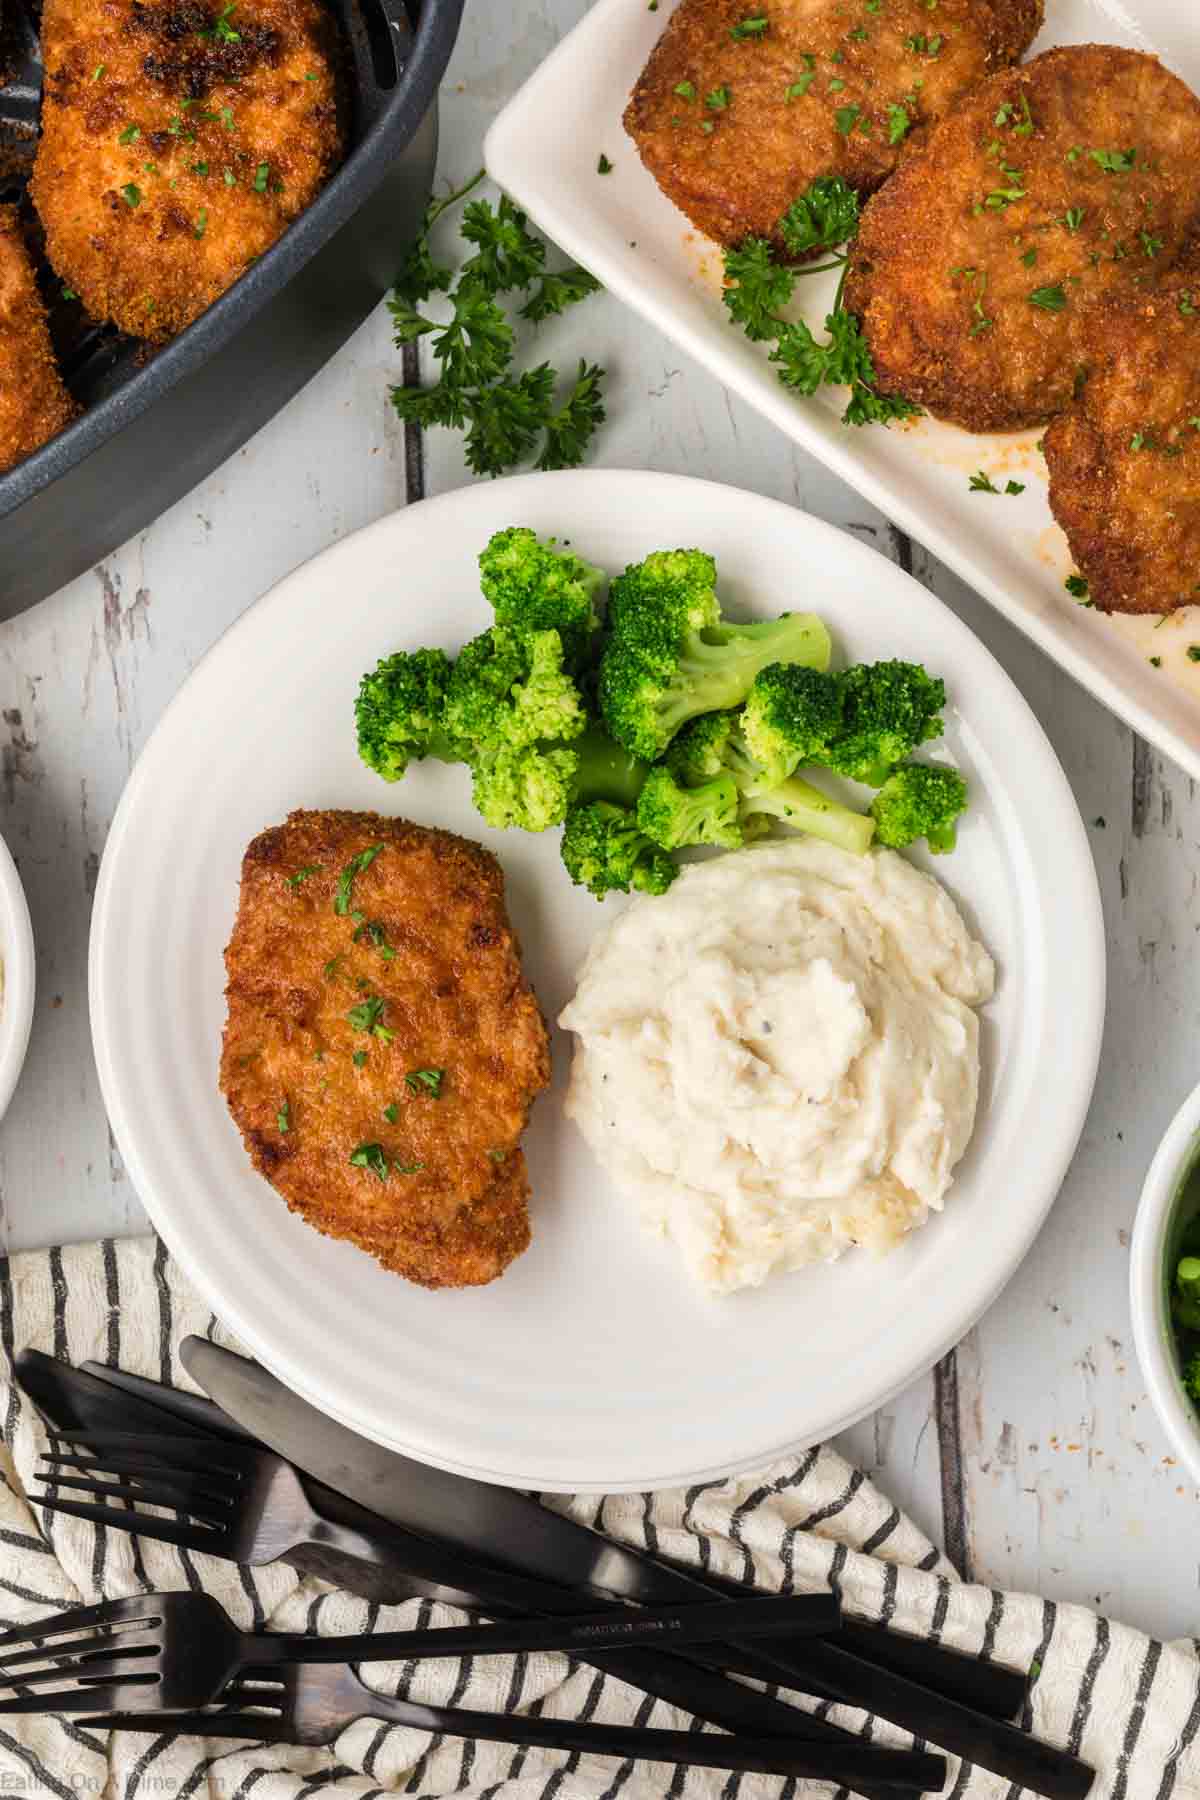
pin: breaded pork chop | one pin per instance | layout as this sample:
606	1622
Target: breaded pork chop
179	139
381	1059
1125	461
741	107
34	404
1046	188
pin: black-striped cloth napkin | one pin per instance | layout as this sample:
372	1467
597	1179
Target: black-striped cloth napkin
1126	1704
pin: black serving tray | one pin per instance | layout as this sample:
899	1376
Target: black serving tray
157	421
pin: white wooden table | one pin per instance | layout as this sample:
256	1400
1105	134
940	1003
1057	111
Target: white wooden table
1032	1452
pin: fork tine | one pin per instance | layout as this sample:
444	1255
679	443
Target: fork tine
263	1727
84	1699
88	1669
150	1493
141	1470
57	1652
138	1609
167	1531
181	1453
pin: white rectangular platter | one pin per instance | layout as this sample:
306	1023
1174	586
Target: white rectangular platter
545	148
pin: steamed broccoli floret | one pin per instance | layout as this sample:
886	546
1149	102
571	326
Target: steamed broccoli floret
888	709
675	816
531	787
1185	1301
1190	1374
670	656
603	851
919	801
537	586
790	716
400	712
715	744
509	688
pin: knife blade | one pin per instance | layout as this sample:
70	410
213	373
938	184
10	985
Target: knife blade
518	1532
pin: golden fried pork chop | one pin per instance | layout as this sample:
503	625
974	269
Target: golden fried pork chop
34	404
1125	461
179	139
1047	187
383	1048
741	107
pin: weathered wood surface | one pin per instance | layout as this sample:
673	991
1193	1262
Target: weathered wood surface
1033	1450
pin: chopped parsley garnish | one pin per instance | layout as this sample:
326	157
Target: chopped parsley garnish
846	118
1001	197
874	6
1151	244
368	1017
130	135
226	117
222	29
200	168
1193	652
1115	162
375	932
1074	153
899	122
1155	662
283	1118
1188	307
497	1156
359	1058
750	28
685	90
310	76
260	178
331	968
1073	217
978	277
801	85
1050	299
230	177
836	87
357	866
982	483
370	1156
391	1113
201	224
1077	586
920	45
719	98
301	876
1141	440
425	1081
69	293
1029	257
132	194
98	71
412	1168
603	166
1008	112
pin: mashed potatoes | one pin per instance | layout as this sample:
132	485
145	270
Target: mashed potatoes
779	1057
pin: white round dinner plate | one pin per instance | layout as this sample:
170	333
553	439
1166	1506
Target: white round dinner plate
592	1363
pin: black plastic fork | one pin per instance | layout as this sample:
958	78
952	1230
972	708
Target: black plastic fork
314	1705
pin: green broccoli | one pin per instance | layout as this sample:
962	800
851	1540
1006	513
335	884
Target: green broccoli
537	586
530	787
715	745
670	655
1185	1301
920	801
400	712
860	723
888	708
673	815
603	851
510	688
1190	1375
790	716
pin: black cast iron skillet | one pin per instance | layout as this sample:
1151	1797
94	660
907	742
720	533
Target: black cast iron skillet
158	422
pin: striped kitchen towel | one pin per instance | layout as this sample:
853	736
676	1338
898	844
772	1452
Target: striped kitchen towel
1129	1706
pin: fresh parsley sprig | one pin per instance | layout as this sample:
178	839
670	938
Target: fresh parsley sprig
508	417
759	287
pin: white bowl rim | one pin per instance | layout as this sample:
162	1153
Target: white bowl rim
16	946
1152	1334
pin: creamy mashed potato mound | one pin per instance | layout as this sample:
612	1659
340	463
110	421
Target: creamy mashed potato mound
779	1058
